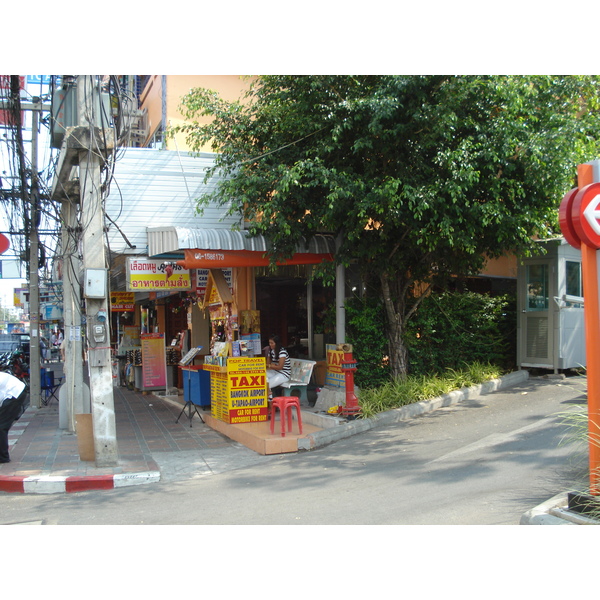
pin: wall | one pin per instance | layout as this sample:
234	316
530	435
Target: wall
229	87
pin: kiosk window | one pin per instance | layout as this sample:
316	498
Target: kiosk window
537	287
574	288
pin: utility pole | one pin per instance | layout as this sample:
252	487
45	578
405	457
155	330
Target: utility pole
75	395
31	209
34	284
95	283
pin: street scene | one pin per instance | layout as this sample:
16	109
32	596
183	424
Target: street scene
258	311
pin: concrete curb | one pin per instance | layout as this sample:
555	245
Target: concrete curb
55	484
338	432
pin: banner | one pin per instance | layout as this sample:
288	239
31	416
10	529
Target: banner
154	362
146	275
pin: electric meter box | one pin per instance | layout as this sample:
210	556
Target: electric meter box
95	283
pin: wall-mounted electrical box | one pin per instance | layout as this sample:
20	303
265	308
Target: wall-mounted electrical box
95	283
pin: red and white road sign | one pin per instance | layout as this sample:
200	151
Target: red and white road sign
585	215
565	218
4	243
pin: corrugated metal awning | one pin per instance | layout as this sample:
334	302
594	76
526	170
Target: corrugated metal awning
174	240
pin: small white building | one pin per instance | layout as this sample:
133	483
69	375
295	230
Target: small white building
550	326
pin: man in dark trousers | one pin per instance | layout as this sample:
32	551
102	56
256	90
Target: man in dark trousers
13	396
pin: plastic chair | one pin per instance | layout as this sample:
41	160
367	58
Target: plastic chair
285	404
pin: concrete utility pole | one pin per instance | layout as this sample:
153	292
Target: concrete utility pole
34	284
75	396
95	284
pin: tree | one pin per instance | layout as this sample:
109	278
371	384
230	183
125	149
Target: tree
423	176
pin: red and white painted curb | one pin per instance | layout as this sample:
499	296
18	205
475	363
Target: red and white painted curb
55	484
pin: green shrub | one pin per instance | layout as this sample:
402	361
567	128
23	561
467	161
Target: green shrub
453	328
414	388
365	330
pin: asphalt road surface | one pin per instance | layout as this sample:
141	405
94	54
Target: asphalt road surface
482	462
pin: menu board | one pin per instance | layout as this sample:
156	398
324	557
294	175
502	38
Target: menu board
154	363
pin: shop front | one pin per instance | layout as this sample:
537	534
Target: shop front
196	309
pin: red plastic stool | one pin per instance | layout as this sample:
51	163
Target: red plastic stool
285	405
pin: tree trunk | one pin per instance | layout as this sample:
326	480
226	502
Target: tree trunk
398	352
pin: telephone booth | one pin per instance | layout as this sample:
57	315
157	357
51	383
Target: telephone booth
550	329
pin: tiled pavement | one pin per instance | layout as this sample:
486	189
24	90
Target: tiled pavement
146	428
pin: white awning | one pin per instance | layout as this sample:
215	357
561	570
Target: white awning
173	240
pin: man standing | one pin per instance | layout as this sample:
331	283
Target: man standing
13	396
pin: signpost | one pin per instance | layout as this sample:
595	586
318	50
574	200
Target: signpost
579	217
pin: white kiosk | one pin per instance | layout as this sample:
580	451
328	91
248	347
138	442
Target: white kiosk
550	329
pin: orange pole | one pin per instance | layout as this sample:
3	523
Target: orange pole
589	268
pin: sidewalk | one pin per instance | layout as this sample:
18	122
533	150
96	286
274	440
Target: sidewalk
45	458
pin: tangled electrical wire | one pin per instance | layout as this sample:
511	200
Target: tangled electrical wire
26	192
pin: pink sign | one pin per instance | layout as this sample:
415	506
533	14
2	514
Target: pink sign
154	362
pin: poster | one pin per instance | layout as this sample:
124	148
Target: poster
154	363
335	376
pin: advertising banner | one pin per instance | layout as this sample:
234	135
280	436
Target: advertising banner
146	275
335	375
154	363
122	301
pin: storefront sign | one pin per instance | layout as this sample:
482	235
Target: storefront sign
214	259
154	363
202	280
145	275
122	301
335	376
239	395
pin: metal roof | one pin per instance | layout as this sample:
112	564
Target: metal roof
159	188
169	240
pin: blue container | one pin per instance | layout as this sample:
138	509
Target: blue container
196	386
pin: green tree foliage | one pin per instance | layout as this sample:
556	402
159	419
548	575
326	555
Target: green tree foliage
421	176
365	327
452	329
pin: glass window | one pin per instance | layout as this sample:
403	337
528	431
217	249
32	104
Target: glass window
573	273
537	287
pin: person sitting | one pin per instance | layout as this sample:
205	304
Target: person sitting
279	365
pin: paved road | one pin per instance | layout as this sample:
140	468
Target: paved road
484	462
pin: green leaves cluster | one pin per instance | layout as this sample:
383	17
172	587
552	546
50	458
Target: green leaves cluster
422	175
452	328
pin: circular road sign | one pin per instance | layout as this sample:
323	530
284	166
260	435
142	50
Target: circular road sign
4	243
586	215
565	214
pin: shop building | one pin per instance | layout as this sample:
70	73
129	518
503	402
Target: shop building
164	256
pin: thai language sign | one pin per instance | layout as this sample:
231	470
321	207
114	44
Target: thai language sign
145	275
122	301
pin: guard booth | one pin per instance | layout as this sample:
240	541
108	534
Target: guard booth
550	328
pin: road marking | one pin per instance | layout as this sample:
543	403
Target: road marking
494	439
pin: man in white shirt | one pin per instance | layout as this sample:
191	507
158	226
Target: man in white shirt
13	394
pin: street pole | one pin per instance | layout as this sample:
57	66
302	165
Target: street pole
74	394
34	289
96	280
